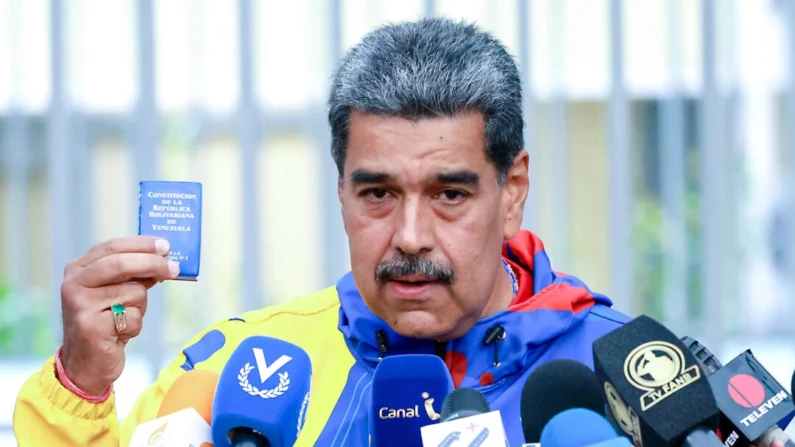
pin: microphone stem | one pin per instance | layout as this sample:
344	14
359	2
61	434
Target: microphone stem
702	437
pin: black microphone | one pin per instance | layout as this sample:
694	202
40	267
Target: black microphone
464	402
656	390
751	402
554	387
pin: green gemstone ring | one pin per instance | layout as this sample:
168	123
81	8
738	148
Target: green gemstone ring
119	318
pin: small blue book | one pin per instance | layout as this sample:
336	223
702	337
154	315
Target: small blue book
173	211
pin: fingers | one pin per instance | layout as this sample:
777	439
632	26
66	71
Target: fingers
134	323
95	301
131	294
124	267
130	244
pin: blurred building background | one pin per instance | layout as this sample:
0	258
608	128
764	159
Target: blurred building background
662	156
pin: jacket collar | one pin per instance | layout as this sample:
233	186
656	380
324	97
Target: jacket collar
548	304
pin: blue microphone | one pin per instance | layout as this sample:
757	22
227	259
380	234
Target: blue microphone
579	427
407	394
262	396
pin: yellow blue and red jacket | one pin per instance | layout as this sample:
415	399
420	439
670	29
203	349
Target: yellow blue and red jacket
556	316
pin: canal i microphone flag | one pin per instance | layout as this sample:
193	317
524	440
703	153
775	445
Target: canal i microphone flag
407	394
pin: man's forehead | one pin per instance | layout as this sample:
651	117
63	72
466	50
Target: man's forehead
378	142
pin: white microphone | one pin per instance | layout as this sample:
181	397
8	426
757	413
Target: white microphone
185	428
184	415
467	420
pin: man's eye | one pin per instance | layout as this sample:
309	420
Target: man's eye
375	194
452	196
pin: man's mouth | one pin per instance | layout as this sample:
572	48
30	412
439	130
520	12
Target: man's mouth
412	288
413	280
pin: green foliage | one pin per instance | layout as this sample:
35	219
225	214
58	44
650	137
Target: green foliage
6	330
25	322
649	248
649	257
693	243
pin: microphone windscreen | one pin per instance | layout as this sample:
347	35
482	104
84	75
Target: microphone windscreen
464	402
576	427
407	392
653	384
554	387
263	387
193	389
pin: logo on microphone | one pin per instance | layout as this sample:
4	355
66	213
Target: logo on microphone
302	413
432	414
480	438
658	367
450	439
157	435
624	416
411	412
746	391
265	372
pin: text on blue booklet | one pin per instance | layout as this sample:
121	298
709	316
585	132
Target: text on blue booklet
173	211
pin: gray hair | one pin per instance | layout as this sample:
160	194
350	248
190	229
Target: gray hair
432	67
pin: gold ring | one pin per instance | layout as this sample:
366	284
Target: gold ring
119	318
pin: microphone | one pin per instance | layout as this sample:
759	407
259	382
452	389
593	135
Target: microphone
751	401
184	415
580	427
554	387
187	388
466	420
654	387
789	426
406	391
263	395
464	403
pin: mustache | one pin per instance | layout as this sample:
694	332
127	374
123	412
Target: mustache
404	265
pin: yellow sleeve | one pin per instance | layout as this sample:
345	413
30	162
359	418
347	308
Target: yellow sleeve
47	414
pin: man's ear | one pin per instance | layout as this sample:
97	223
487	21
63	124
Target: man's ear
342	204
339	189
515	190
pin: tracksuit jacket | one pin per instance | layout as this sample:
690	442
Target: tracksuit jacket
555	316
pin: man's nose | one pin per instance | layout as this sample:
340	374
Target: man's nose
413	234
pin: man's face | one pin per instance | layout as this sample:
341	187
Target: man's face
426	221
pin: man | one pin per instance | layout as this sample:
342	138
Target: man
427	125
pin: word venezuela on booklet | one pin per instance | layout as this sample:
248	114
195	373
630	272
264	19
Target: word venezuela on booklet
173	211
